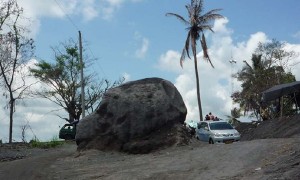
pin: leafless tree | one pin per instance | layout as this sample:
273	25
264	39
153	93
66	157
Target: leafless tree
15	50
23	131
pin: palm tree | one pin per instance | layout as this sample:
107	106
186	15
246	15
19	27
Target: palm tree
235	114
197	24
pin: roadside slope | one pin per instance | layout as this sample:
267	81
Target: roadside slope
285	127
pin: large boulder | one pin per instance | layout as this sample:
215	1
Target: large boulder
136	117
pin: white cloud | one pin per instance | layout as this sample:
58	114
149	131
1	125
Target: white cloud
243	50
109	7
126	76
170	62
87	9
215	84
35	10
141	52
294	64
47	8
115	2
220	27
59	9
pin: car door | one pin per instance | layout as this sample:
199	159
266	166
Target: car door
206	133
203	132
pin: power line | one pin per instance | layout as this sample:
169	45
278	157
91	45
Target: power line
68	17
95	58
76	27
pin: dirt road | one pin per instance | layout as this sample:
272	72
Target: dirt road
257	159
37	165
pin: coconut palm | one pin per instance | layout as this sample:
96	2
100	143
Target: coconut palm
197	24
233	118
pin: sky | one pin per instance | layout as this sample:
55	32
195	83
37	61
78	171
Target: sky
134	39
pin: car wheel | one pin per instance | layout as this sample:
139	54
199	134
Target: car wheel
210	141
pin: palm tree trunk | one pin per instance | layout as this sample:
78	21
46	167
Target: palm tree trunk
198	87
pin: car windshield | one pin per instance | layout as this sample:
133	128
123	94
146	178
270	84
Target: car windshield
220	126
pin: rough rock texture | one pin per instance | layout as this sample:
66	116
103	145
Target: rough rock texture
136	117
284	127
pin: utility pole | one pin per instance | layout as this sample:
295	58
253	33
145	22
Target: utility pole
81	75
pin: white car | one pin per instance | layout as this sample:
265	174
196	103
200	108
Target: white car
216	132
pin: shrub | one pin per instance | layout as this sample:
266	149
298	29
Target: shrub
45	145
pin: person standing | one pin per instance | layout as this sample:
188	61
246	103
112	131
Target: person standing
211	116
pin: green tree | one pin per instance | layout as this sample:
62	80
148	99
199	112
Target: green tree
63	83
197	24
274	54
233	118
15	50
263	73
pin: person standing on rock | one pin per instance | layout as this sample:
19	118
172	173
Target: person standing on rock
207	118
211	117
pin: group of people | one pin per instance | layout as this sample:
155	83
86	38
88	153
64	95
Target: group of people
210	116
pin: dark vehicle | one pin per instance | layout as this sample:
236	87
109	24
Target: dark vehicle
67	132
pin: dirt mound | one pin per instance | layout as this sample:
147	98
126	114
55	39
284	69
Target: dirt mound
165	137
285	127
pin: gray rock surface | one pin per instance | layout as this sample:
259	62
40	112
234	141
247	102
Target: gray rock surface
136	117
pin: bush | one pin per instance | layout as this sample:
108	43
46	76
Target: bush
45	145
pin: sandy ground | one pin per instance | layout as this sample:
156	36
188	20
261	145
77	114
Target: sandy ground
33	163
256	159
